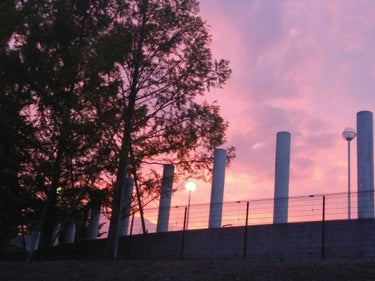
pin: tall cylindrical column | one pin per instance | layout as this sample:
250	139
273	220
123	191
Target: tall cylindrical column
32	241
282	162
93	227
126	205
70	232
165	198
365	164
56	234
217	189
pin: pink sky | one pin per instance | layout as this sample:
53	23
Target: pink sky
306	67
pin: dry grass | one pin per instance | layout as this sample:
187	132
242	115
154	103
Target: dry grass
202	270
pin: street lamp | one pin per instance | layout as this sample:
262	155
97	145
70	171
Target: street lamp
348	134
190	186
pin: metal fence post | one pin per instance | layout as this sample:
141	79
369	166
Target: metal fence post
323	226
130	237
183	235
246	225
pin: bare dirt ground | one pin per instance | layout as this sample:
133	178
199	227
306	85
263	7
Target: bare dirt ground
192	270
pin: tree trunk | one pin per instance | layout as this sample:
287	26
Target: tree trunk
113	232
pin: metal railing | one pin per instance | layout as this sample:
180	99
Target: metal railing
259	212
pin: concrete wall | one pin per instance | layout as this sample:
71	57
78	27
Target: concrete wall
314	240
350	239
347	239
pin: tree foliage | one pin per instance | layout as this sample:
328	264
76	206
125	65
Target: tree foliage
96	91
16	132
59	48
168	69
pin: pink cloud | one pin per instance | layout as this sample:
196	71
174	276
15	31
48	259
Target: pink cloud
303	66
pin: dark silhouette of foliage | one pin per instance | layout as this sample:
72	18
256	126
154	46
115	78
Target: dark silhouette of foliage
59	50
94	92
164	120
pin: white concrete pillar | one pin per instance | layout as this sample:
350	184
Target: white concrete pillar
56	234
69	232
217	189
365	164
33	241
126	205
93	227
282	163
165	198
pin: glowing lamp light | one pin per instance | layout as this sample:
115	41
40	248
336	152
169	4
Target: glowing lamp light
190	186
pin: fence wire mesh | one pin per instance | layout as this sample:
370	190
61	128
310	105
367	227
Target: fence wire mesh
337	206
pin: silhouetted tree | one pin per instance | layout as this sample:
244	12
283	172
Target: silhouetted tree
162	80
15	131
62	47
97	91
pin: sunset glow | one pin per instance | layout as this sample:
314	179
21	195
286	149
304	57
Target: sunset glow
306	67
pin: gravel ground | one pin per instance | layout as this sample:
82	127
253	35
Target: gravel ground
202	270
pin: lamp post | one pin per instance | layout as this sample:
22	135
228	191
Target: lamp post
190	186
349	134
